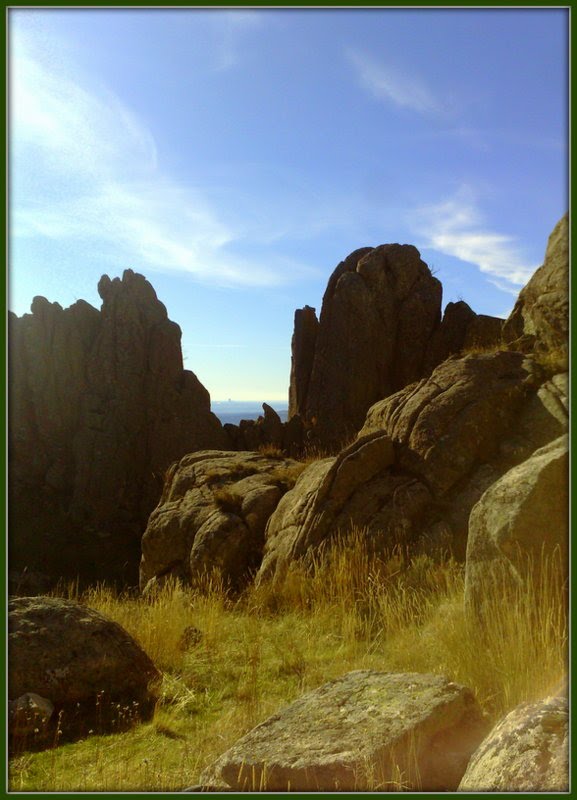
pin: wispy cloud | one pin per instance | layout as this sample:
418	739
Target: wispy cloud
390	84
86	168
231	29
456	227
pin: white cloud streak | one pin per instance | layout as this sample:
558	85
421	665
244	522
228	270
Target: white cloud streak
392	85
85	168
231	28
456	227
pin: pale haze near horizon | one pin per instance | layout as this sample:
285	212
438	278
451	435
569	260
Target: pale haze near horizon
234	157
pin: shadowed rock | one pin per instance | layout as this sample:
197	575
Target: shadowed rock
303	349
100	405
91	670
378	313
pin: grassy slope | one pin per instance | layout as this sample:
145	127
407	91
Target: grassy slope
263	650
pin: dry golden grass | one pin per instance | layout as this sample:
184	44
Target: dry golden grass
271	451
260	651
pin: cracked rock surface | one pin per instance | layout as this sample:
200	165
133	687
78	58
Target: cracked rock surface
527	751
364	731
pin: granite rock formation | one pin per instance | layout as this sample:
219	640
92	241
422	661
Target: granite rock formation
99	407
380	329
212	516
422	460
303	346
268	432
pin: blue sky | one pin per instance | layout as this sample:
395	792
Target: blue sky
234	157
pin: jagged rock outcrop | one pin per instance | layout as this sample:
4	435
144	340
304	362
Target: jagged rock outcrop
380	329
212	516
303	346
527	751
540	317
93	673
268	432
365	731
379	310
524	513
423	459
100	406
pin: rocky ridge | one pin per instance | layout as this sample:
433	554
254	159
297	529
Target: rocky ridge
100	406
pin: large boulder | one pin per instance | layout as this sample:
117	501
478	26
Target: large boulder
92	672
354	489
527	751
379	310
212	516
422	460
523	514
365	731
540	317
100	406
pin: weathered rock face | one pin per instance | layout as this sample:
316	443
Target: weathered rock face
541	313
81	662
424	457
380	329
364	731
524	513
302	348
212	516
378	313
457	418
526	752
333	494
100	405
449	337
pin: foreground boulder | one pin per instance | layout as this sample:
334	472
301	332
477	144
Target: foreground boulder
100	406
524	514
212	516
364	731
86	666
527	751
